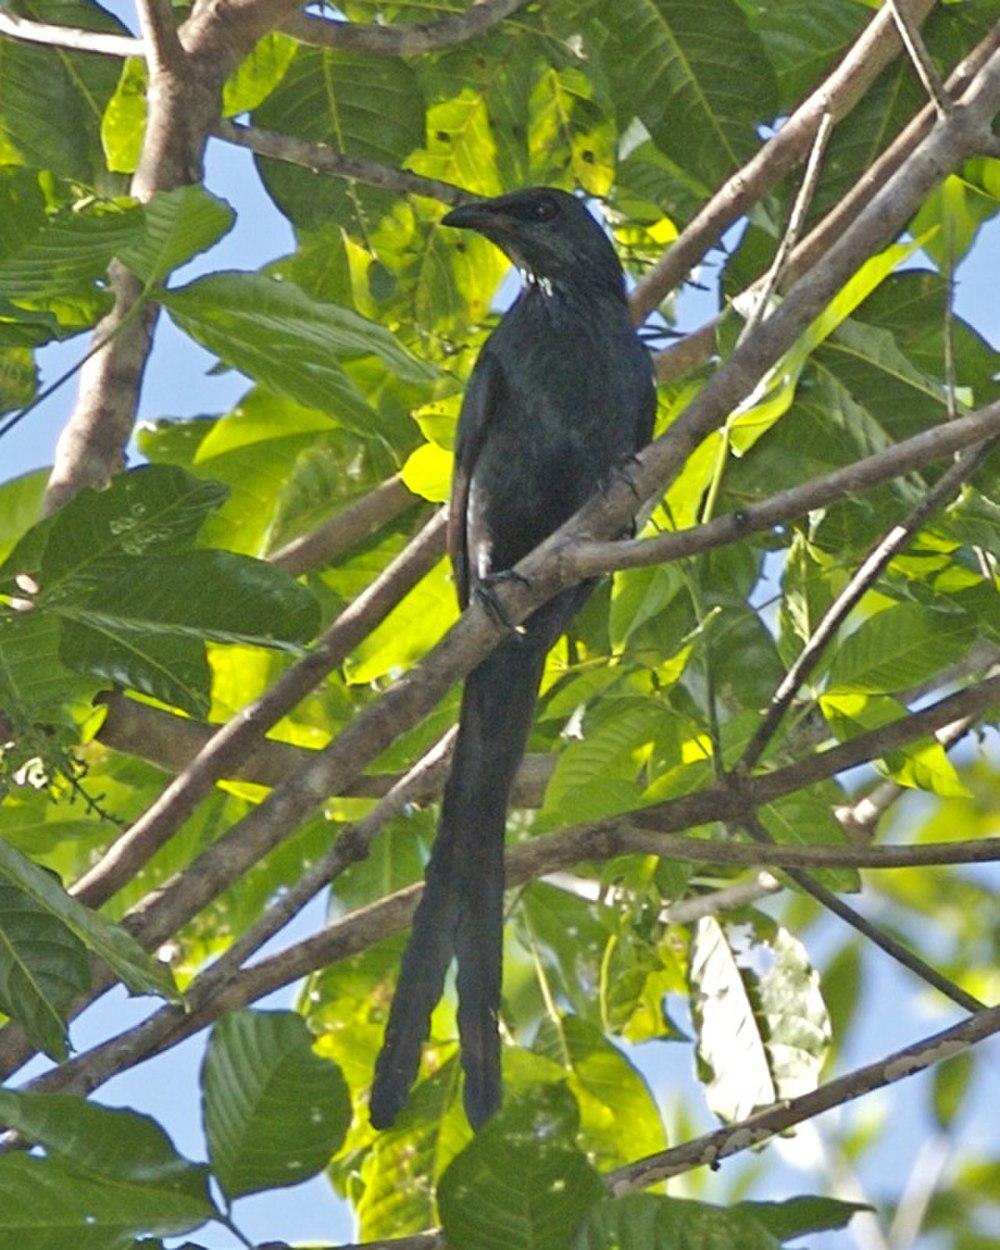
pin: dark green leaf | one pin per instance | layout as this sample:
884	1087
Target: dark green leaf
648	1222
274	1111
178	225
898	648
43	968
119	950
795	1216
516	1187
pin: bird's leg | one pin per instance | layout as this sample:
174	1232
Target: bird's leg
487	595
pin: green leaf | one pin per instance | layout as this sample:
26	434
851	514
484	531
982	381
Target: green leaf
761	1035
517	1186
18	378
803	39
43	968
806	819
428	472
408	631
401	1170
123	125
957	207
292	344
178	225
571	132
897	648
274	1111
366	106
45	1204
619	1121
119	950
33	679
650	1222
143	623
637	595
258	74
696	75
51	99
105	1142
20	500
796	1216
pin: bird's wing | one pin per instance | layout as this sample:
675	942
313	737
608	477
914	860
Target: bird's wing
482	399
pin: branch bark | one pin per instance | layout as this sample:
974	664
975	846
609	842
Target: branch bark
403	38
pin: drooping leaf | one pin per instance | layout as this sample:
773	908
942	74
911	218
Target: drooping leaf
119	950
123	124
178	225
43	967
258	74
274	1111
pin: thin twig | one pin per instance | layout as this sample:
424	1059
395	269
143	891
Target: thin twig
909	33
710	1149
323	159
22	30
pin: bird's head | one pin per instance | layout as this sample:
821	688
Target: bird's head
549	234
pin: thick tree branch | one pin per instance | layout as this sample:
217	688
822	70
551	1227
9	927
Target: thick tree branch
22	30
159	31
322	159
845	86
403	38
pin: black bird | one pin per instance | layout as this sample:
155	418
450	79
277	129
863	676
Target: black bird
562	394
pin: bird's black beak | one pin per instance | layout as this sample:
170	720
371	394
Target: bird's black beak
474	216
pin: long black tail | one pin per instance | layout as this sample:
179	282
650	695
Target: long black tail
461	911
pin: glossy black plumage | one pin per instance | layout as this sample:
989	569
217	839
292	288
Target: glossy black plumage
562	393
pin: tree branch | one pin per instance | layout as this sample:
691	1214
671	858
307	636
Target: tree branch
329	542
322	159
21	30
159	32
183	100
592	558
695	349
710	1149
229	744
403	38
909	33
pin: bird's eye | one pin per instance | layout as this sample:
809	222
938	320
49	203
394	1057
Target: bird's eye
544	210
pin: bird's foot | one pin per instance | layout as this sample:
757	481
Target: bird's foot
486	593
623	469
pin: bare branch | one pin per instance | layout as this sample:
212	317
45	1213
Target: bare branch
404	38
159	31
328	542
845	86
913	41
710	1149
22	30
183	103
590	559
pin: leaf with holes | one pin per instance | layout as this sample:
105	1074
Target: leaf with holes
763	1028
274	1111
